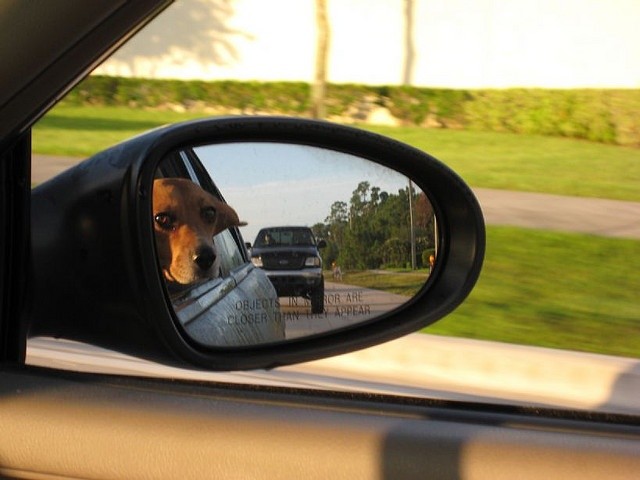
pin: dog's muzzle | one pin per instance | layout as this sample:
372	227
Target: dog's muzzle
204	258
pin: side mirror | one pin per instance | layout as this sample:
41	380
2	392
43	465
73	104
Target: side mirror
103	259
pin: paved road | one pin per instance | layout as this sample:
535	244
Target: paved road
500	207
612	218
43	167
344	305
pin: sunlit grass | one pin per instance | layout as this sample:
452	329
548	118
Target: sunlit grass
483	159
530	163
84	131
401	283
560	290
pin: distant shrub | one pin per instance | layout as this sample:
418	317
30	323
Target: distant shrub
599	115
419	105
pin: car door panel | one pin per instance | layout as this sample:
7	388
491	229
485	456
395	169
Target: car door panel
91	426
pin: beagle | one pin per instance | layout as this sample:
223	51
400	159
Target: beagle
185	220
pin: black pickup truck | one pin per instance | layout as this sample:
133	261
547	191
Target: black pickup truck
290	258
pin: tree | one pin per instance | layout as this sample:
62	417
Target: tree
359	200
374	229
409	48
318	90
335	226
424	211
322	231
338	214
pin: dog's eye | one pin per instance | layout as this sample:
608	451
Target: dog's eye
209	214
165	221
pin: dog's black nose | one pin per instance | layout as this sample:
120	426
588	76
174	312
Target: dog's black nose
204	258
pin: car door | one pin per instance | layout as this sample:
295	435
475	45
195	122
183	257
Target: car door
43	61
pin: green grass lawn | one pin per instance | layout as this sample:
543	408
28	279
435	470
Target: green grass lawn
560	290
83	131
483	159
531	163
401	282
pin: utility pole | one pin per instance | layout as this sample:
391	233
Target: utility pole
412	227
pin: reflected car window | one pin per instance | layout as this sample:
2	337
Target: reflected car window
229	251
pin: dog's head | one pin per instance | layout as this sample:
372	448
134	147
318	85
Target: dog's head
185	220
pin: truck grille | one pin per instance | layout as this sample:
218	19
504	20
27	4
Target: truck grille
283	261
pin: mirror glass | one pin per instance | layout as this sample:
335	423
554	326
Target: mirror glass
287	241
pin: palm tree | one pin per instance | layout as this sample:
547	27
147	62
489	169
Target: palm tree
318	90
409	48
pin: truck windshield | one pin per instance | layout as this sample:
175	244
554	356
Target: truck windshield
284	237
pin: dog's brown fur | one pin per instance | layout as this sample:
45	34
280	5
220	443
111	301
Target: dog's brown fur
185	219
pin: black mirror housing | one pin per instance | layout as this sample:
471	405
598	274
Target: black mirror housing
92	281
96	278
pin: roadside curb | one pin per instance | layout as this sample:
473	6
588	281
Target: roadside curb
418	365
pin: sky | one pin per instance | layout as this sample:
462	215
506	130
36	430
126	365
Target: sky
271	184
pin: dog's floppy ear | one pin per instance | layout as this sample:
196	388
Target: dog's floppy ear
226	217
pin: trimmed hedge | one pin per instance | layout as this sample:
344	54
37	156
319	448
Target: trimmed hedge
600	115
607	116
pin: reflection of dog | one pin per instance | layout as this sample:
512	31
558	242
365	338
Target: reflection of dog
185	219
